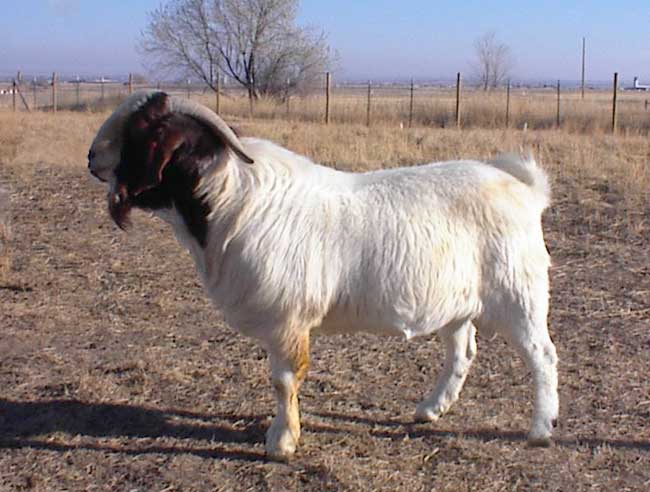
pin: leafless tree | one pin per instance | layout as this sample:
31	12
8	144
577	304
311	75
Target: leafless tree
256	42
494	61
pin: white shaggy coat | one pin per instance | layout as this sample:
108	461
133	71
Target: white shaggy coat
297	246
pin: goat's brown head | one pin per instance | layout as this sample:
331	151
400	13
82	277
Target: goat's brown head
154	149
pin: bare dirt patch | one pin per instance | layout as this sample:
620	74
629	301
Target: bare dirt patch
116	374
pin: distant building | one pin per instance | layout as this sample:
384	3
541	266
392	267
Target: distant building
637	86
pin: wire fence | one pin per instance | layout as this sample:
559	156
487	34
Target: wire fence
405	105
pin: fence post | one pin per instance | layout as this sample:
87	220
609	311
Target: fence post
130	83
102	86
557	116
217	94
19	77
288	96
54	93
13	95
508	104
411	105
369	97
614	96
328	89
78	90
188	88
582	83
34	93
458	100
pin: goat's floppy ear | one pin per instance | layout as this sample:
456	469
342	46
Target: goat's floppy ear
160	149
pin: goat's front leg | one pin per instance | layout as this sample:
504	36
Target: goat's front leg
289	364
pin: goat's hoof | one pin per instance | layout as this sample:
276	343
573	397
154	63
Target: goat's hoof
425	413
280	445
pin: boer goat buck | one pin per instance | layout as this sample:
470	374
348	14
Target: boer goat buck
286	247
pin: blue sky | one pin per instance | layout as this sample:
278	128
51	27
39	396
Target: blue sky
376	39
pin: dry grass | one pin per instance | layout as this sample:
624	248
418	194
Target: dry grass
117	374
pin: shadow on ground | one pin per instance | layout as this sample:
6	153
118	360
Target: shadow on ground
22	424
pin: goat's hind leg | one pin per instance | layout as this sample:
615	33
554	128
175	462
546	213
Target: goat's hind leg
289	363
460	350
534	345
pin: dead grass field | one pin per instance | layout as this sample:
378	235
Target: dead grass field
116	374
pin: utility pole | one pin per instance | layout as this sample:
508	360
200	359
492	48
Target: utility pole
582	85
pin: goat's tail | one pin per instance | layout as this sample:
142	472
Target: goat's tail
526	170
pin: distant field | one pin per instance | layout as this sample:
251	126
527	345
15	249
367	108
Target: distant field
390	105
116	374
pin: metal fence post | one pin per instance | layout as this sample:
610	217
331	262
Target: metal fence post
614	97
508	104
557	116
411	105
54	93
458	100
368	109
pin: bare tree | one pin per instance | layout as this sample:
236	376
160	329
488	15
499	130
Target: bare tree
256	42
494	61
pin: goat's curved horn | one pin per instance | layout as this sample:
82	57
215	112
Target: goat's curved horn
213	121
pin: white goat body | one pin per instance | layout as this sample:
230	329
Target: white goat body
401	251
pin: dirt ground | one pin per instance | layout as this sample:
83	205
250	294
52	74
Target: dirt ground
116	374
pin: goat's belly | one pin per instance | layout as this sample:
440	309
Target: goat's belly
406	328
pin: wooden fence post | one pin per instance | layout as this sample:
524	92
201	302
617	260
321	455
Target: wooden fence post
102	86
54	93
328	89
458	100
614	97
368	109
78	91
130	83
34	93
217	94
188	89
508	104
288	97
557	116
411	105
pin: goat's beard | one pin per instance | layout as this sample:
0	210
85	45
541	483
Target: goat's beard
119	205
